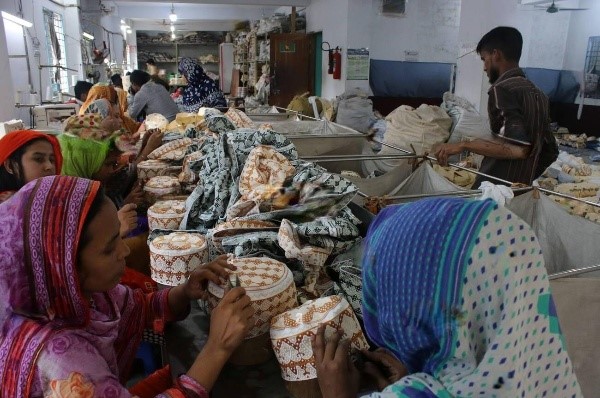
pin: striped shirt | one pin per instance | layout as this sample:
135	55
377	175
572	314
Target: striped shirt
518	112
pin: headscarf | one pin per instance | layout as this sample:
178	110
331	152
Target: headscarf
41	227
458	292
84	145
103	91
202	91
40	295
13	141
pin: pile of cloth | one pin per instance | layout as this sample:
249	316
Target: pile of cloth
253	197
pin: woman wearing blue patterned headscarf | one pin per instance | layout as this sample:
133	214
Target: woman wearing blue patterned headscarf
457	294
202	91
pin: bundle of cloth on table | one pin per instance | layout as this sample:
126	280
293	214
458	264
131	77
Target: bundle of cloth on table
571	175
252	197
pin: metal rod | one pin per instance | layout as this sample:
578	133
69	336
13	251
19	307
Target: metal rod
566	196
343	158
58	67
573	272
470	192
308	136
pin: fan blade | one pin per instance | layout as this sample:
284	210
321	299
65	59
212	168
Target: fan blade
573	9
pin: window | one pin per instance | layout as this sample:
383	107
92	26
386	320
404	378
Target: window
592	68
393	7
55	39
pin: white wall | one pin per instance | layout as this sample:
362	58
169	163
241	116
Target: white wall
544	40
583	25
429	27
7	105
330	17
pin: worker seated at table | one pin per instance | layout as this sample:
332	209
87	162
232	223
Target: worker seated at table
456	295
81	90
24	156
69	327
201	91
150	97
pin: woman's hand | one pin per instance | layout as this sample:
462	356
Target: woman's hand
197	283
230	321
152	140
338	378
229	324
135	196
128	219
383	367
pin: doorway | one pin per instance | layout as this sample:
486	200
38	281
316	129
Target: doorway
318	36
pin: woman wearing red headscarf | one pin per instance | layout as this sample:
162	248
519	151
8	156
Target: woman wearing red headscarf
24	156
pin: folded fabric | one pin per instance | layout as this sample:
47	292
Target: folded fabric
174	150
500	193
239	118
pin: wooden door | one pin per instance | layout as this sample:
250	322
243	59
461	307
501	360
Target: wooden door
292	72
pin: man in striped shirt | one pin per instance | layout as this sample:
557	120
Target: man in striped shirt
522	146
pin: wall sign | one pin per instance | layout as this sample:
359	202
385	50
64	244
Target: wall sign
287	47
357	64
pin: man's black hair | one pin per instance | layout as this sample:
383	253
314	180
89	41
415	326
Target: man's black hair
503	38
82	87
151	62
116	80
139	77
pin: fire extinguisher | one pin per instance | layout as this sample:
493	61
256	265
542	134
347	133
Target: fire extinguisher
337	63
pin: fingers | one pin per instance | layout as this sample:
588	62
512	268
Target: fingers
342	351
129	207
318	344
234	295
332	345
372	370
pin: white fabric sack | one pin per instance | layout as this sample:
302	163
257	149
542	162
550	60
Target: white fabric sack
422	128
355	110
467	122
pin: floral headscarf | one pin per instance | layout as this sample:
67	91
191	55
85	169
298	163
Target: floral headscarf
106	92
201	91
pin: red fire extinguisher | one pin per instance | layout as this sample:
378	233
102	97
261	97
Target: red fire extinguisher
337	63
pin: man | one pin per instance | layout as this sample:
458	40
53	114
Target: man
150	97
81	89
117	83
523	145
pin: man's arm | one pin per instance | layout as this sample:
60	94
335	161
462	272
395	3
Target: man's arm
137	105
497	148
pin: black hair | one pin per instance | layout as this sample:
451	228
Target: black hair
82	87
151	62
504	38
139	77
116	80
15	180
93	211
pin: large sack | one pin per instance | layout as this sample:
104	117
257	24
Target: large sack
467	122
422	128
355	110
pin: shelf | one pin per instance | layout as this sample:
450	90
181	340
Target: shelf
174	44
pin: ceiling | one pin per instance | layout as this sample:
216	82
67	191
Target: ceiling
196	15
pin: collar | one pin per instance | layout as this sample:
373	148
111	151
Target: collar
514	72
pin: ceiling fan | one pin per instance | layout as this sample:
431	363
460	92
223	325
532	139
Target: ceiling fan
552	9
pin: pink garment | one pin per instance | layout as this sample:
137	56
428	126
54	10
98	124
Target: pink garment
54	342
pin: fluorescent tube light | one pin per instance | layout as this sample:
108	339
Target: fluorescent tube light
16	19
86	35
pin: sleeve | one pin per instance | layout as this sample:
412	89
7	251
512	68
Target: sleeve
138	103
513	128
419	385
70	366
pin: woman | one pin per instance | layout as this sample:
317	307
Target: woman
24	156
201	91
68	328
456	293
110	109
